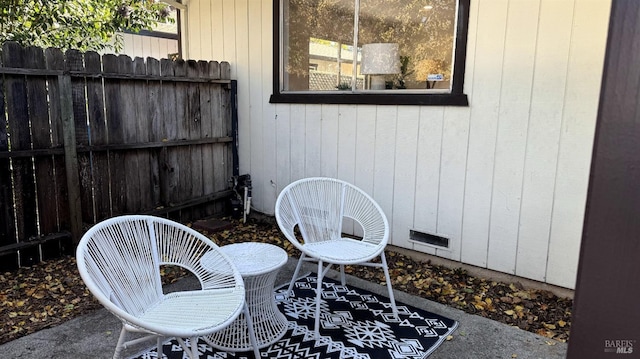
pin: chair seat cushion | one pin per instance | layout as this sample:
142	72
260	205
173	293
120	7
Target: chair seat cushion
181	313
342	251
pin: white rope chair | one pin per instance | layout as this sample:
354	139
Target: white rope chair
316	208
119	260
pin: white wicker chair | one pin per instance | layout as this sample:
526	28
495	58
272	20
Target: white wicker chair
119	260
316	207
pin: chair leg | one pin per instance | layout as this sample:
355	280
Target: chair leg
252	334
186	349
192	349
318	299
193	344
389	287
295	273
159	344
121	338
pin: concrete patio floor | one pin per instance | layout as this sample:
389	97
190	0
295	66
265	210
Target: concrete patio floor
95	335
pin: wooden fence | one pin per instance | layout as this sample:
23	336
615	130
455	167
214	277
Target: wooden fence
84	137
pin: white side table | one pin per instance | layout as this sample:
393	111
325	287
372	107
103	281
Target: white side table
258	263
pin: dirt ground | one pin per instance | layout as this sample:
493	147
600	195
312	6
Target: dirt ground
52	292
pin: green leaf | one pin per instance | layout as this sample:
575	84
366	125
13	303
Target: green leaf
84	23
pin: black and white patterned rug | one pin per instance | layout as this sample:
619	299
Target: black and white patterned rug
355	324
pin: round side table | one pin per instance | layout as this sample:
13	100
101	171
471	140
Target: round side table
258	263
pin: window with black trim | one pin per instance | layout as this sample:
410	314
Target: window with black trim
370	51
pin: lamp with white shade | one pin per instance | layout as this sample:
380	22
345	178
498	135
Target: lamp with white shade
378	60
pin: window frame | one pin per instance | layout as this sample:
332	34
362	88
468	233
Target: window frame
454	98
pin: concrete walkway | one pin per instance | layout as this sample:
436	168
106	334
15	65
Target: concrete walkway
95	335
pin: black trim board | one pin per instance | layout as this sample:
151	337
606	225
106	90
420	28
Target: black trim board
455	98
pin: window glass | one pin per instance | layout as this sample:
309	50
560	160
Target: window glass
367	45
317	44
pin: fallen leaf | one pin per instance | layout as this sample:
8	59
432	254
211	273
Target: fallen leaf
561	323
53	291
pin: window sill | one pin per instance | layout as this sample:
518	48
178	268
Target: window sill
372	99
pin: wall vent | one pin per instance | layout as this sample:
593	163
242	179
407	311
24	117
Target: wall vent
427	238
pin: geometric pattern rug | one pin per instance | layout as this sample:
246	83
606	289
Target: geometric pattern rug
355	324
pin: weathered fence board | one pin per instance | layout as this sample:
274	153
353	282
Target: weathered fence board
169	155
84	137
41	137
55	61
143	129
184	164
206	129
113	103
156	130
71	163
129	120
7	226
20	138
98	136
74	62
195	131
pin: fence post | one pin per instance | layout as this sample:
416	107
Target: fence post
70	157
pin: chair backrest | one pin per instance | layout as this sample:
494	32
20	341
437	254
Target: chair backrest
318	205
119	260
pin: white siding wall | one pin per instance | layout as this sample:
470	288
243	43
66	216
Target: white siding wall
505	178
147	46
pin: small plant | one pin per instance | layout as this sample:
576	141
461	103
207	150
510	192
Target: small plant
344	86
404	72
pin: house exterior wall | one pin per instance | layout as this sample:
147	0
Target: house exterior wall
504	179
146	46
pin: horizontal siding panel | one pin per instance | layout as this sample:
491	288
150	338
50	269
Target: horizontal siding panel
482	132
576	142
298	142
235	44
259	118
194	23
329	141
405	175
313	141
283	140
429	153
365	146
384	164
235	21
347	153
205	36
217	30
347	132
543	137
455	140
268	111
513	120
